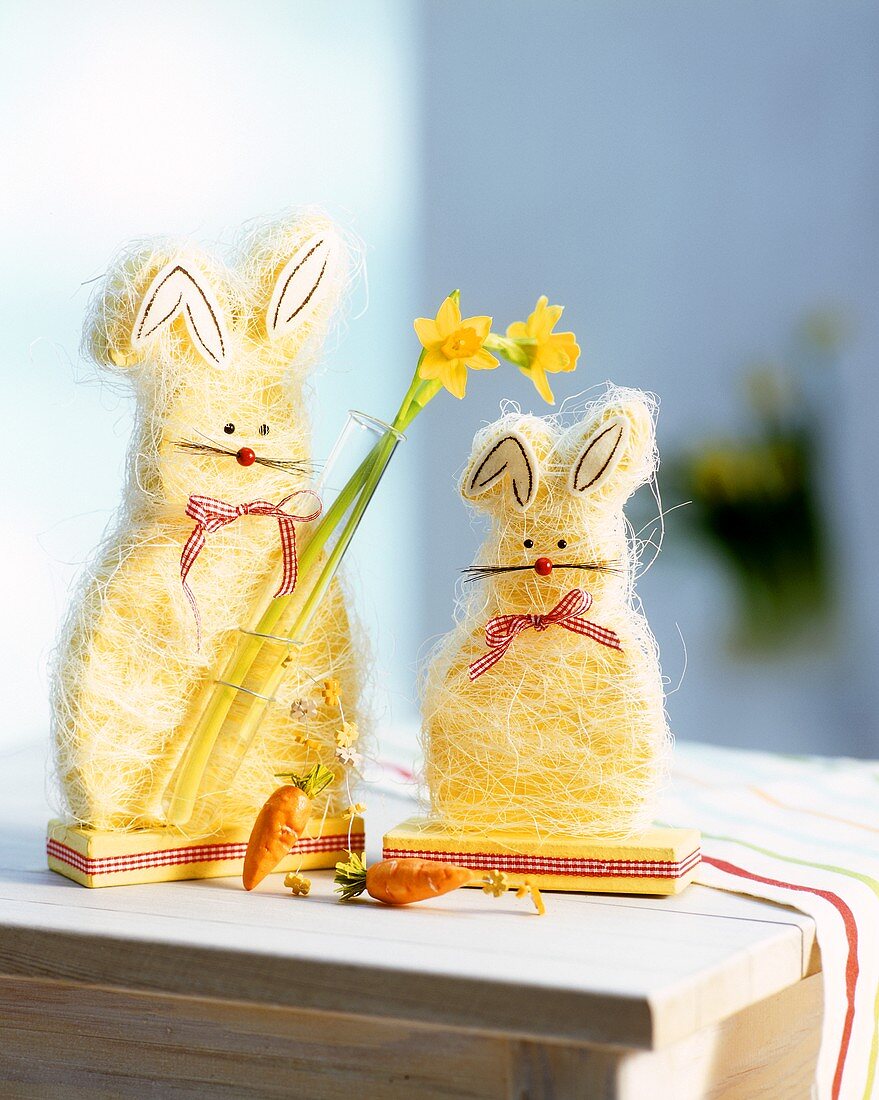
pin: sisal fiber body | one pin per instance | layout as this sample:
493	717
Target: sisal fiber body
563	735
130	675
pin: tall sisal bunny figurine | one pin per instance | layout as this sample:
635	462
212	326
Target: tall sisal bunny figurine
543	708
218	465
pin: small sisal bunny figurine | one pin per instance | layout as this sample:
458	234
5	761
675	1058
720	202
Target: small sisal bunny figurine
543	708
217	358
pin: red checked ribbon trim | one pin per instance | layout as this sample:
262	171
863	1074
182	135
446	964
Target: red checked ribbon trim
211	514
571	866
189	855
502	630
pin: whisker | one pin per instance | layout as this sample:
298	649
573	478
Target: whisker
495	568
292	466
483	572
478	572
202	448
596	567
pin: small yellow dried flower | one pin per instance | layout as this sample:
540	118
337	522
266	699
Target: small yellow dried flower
495	883
298	884
330	692
303	708
356	809
347	755
347	735
527	888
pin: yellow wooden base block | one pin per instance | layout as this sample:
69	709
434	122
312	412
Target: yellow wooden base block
658	861
94	858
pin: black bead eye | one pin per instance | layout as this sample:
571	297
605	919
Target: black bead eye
229	428
528	543
562	543
263	429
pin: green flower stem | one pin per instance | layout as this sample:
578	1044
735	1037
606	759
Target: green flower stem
362	489
422	396
515	349
410	394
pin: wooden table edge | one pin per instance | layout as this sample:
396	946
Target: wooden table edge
548	1014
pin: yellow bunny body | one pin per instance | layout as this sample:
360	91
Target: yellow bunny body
219	377
563	733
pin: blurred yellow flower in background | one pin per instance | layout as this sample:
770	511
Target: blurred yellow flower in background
551	352
451	345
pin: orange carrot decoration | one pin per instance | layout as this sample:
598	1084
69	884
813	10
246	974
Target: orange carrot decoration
399	881
281	822
403	881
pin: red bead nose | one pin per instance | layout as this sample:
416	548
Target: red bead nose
543	567
246	456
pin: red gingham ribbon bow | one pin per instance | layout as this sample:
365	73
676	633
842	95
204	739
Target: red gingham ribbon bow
211	514
502	630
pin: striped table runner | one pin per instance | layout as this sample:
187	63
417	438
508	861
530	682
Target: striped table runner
803	831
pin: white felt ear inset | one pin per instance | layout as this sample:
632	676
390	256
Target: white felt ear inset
177	290
302	285
601	455
510	457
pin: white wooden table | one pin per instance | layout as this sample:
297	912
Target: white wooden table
199	989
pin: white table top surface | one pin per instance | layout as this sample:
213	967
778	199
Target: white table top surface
639	972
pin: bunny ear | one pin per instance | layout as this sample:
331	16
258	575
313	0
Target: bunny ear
600	456
303	284
510	459
174	291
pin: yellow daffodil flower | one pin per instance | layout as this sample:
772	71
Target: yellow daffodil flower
551	352
451	345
